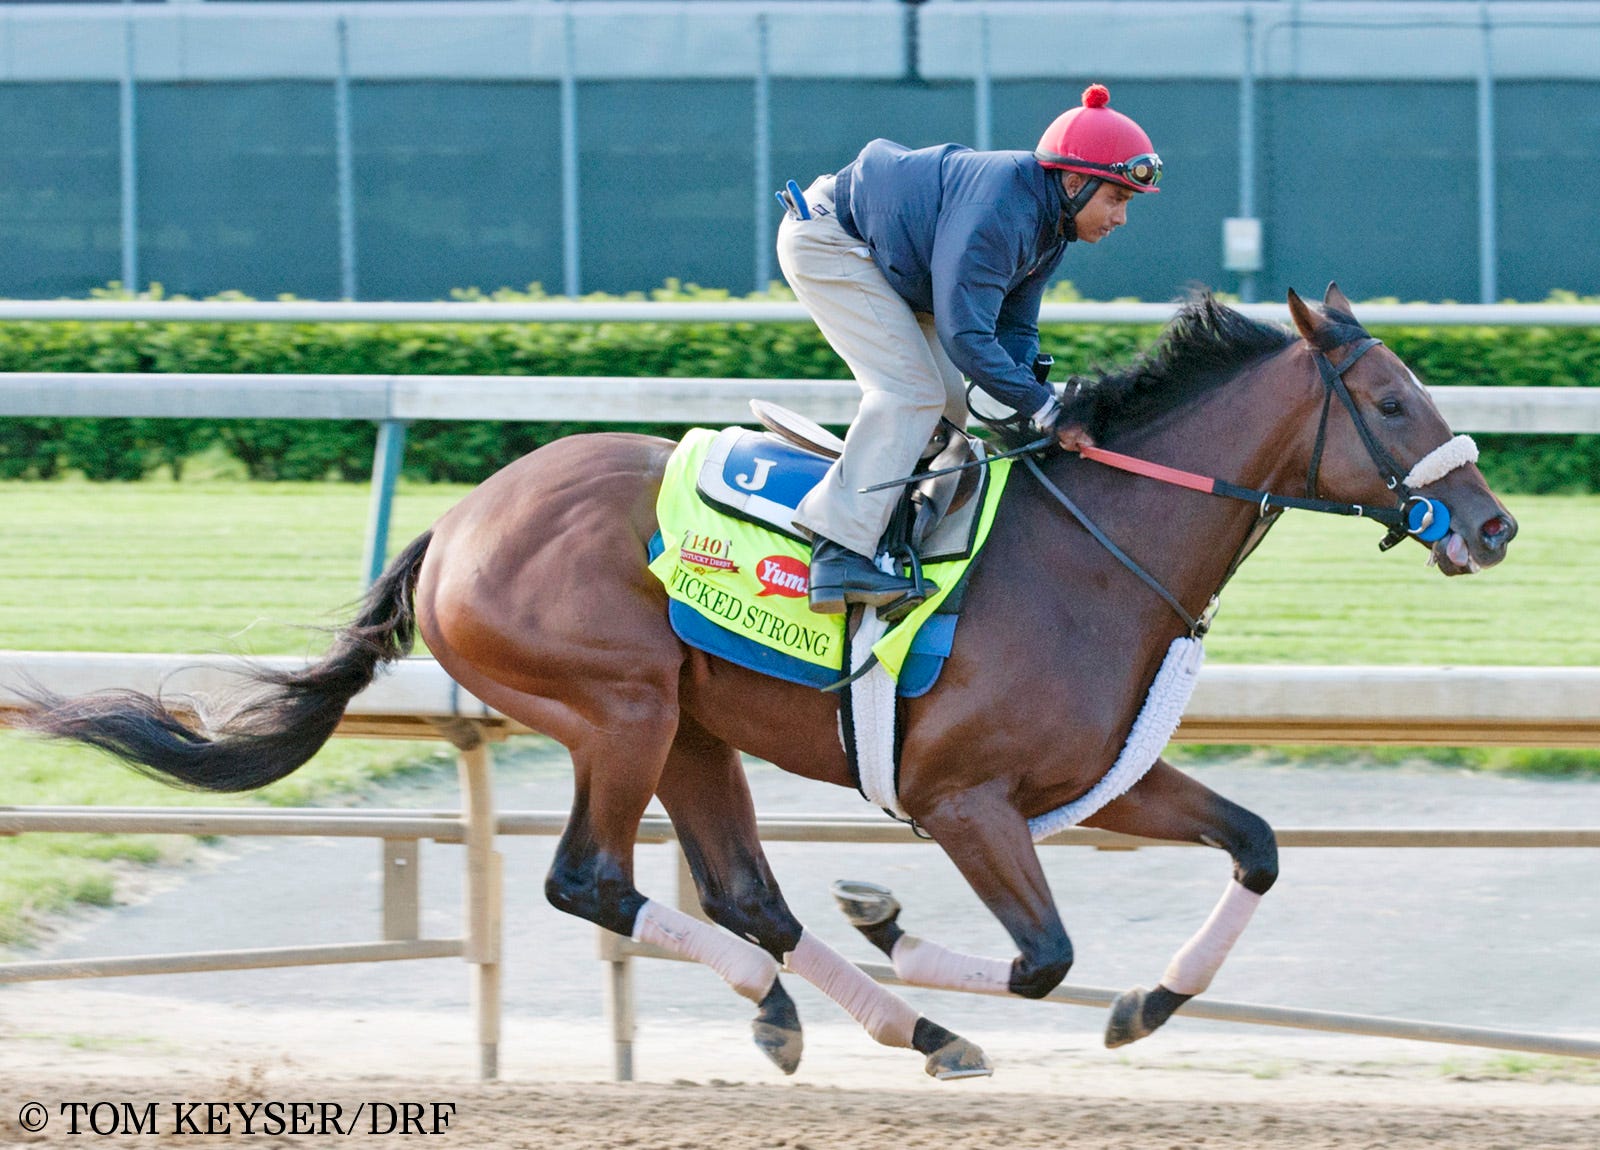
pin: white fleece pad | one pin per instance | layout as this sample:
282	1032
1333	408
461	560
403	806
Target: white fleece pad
1164	705
1442	460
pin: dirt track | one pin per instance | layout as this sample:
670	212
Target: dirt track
706	1086
732	1117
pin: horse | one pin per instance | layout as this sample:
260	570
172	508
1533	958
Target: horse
533	594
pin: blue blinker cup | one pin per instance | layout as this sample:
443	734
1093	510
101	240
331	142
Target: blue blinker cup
1427	519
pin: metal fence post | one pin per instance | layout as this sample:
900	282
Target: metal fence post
344	166
483	897
912	39
982	114
401	890
127	110
1247	141
1488	256
619	1005
386	460
763	150
570	218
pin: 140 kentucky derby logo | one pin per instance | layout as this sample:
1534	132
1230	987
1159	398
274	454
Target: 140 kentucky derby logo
707	554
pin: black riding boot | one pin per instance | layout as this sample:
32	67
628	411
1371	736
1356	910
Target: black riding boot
840	576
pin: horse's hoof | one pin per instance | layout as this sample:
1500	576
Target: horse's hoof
776	1029
958	1058
1126	1023
866	903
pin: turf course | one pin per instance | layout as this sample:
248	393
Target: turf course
232	566
228	566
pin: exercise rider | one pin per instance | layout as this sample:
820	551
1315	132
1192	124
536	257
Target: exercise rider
923	266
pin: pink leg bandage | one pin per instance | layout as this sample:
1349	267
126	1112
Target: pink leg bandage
746	967
924	963
1193	967
889	1018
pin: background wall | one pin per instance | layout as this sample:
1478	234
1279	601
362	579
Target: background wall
1434	150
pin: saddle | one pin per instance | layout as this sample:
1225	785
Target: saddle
933	520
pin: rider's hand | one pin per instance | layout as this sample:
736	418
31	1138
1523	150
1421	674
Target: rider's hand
1072	436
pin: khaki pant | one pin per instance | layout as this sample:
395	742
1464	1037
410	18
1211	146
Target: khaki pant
907	381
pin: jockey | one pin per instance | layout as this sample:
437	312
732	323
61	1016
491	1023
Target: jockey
923	266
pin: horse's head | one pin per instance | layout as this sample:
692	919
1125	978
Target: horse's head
1384	441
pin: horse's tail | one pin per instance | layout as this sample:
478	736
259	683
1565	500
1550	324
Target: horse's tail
278	722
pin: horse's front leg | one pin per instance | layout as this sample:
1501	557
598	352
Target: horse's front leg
988	840
1168	804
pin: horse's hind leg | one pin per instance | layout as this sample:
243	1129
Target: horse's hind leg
1167	804
705	792
621	741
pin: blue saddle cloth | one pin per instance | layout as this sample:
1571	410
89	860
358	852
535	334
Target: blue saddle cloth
930	647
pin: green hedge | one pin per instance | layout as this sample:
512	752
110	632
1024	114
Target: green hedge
113	449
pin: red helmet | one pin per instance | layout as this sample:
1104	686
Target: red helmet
1096	141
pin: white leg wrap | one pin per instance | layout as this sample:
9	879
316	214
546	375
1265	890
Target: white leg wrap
1193	967
746	967
886	1016
924	963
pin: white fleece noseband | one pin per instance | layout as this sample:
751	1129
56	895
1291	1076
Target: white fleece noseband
1442	460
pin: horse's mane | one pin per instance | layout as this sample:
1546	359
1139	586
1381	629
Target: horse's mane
1206	344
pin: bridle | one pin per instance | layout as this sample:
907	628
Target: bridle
1432	518
1412	514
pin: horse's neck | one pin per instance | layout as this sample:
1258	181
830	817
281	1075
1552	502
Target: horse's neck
1251	430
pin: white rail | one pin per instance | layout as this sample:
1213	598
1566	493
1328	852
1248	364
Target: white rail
732	311
597	399
1233	703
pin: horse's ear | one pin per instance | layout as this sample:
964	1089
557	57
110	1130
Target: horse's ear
1304	318
1335	298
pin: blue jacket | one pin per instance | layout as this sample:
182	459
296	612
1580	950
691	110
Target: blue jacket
973	238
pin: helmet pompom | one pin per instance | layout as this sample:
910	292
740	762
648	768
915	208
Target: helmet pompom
1096	96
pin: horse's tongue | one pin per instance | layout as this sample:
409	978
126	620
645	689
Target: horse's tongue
1456	549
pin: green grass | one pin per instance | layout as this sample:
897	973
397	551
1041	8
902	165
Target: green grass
228	566
1319	591
44	874
216	566
222	565
1513	1066
212	566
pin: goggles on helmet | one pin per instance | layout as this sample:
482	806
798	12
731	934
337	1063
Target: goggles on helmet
1141	171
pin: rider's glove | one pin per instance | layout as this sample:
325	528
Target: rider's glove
1044	420
1051	420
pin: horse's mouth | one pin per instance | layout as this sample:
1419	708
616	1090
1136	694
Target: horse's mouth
1453	556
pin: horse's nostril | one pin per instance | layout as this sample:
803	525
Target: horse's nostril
1497	531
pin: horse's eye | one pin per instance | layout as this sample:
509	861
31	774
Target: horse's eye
1389	407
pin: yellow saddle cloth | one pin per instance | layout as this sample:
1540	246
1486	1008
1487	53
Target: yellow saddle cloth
739	588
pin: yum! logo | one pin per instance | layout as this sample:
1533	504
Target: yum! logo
783	575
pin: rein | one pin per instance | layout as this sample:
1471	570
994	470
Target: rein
1333	379
1412	514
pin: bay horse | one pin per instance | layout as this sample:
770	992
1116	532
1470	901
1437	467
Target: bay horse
533	594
